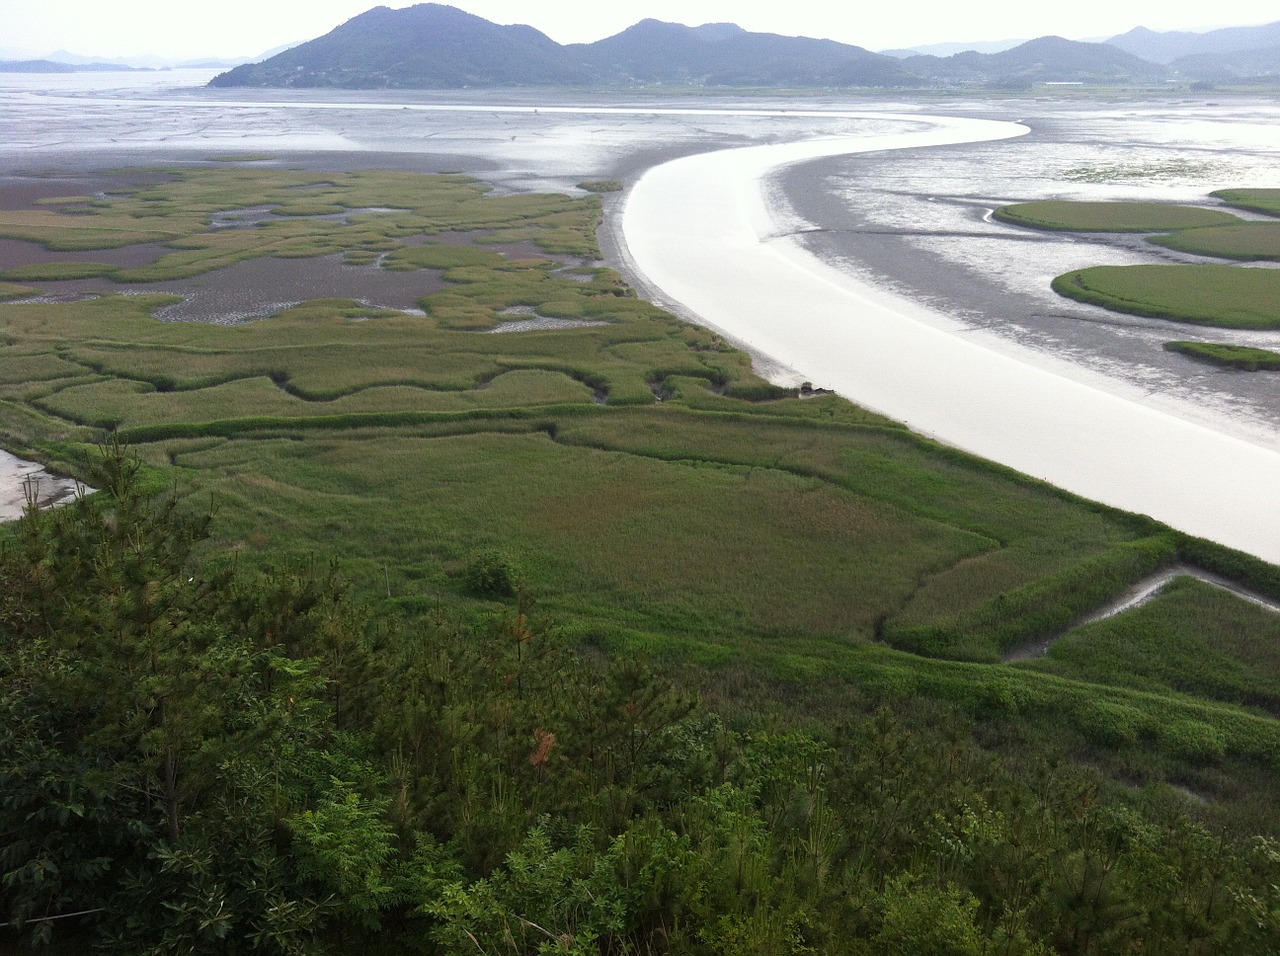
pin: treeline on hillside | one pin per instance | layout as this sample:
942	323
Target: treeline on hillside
202	761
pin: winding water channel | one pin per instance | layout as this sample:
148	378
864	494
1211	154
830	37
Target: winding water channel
703	234
1138	594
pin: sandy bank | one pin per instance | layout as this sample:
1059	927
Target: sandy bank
702	233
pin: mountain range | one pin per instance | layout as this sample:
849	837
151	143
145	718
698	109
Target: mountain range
432	46
1174	46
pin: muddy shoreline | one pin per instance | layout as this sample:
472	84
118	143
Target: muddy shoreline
22	481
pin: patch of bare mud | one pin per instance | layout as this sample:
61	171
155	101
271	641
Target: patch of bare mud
21	480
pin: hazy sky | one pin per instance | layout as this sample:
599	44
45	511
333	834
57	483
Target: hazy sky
233	28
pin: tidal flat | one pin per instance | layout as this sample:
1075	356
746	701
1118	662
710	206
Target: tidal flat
914	223
919	223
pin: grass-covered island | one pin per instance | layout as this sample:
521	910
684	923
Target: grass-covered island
1242	357
1080	216
1226	297
1220	296
528	619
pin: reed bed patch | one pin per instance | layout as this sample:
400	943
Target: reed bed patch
320	354
665	541
118	403
14	290
62	232
1266	201
1226	355
1217	295
1010	549
1045	604
1194	638
58	271
1253	241
1183	729
18	367
1111	216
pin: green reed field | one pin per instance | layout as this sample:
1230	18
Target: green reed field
1194	638
630	471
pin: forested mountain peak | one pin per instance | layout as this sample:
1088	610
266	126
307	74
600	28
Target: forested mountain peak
436	46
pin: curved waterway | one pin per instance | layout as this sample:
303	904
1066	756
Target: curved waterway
1136	595
702	234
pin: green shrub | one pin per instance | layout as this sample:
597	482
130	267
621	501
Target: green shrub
491	573
1192	739
1109	724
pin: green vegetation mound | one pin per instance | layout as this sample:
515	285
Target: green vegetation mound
1258	200
57	271
1228	356
1246	241
12	290
1111	216
1223	296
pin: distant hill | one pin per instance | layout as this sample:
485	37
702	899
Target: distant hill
432	46
1175	45
424	46
1044	60
723	54
950	49
52	66
436	46
68	58
1238	66
63	61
